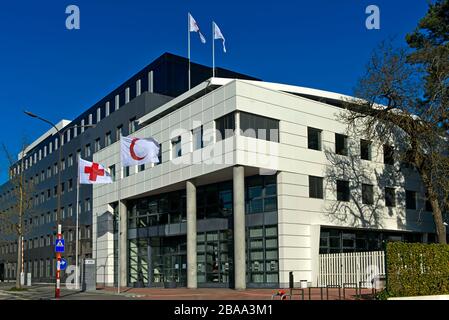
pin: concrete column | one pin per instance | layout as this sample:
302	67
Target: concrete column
239	227
123	243
191	235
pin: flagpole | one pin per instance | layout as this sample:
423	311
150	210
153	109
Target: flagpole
77	227
119	267
213	51
188	43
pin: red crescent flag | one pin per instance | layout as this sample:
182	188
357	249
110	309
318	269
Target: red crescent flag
137	151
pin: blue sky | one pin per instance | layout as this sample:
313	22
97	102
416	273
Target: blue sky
58	73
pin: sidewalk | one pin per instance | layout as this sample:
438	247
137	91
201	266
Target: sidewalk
230	294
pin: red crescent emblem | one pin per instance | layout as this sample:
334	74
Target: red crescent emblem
131	150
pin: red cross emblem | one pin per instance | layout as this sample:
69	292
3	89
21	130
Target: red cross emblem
94	171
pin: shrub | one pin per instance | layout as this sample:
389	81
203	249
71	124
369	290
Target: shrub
417	269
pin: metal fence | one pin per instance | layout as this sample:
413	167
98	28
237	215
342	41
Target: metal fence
361	268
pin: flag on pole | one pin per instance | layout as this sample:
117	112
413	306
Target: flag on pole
219	35
92	173
193	27
137	151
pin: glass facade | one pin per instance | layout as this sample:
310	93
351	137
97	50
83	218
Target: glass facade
350	240
156	259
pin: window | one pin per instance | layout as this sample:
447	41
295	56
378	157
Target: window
141	168
259	127
87	150
176	147
70	160
97	146
365	150
118	132
132	126
341	144
63	164
388	154
390	197
225	126
261	194
428	204
159	156
126	171
70	183
316	187
69	210
112	172
367	194
55	169
107	139
314	138
343	193
410	199
197	138
87	205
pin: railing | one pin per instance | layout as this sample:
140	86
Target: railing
361	268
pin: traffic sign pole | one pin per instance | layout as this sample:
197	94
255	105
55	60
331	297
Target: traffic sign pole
58	267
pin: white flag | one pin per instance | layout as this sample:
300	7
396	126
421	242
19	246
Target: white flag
92	173
219	35
137	151
193	27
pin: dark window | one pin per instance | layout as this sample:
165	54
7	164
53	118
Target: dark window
126	171
316	187
259	127
367	194
122	98
132	90
314	138
341	144
428	205
225	126
132	125
141	167
144	82
343	193
159	156
118	132
112	172
176	147
197	138
365	150
388	154
410	199
390	197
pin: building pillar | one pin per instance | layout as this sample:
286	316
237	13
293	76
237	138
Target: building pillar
123	244
191	235
239	227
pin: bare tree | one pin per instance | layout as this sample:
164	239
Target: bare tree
390	107
12	218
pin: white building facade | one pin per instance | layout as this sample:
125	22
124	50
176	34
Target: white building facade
256	180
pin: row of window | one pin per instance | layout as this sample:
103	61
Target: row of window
45	241
316	190
314	142
115	102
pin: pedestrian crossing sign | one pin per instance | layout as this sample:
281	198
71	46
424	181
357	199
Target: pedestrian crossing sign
59	245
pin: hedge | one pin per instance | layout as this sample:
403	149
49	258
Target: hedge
416	269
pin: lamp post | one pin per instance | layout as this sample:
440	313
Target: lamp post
58	209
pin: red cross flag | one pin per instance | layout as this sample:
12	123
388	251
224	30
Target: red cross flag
137	151
92	173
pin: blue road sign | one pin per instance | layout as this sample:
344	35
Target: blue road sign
63	264
59	245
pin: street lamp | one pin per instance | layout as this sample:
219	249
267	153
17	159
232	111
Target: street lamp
58	213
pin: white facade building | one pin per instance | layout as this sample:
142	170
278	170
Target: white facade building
305	219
